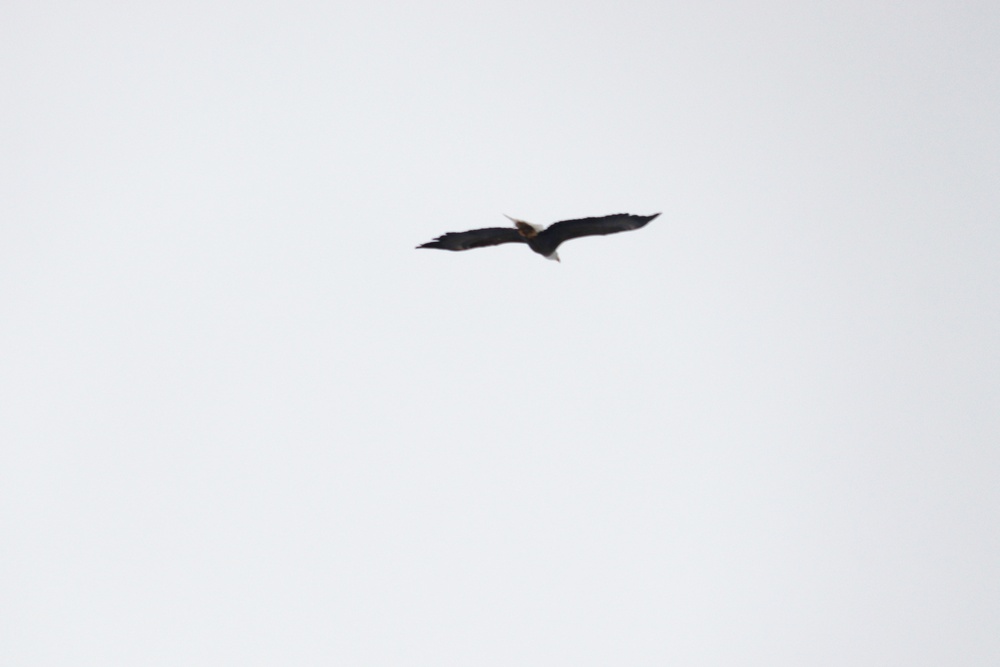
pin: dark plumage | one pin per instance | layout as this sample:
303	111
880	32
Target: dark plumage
543	241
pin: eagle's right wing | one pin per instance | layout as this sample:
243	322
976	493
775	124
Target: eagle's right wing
565	230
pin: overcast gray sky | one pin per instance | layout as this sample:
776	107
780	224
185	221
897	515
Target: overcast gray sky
244	422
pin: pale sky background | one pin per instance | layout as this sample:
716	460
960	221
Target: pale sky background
244	422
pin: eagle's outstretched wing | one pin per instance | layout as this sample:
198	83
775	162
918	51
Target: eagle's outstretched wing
475	238
565	230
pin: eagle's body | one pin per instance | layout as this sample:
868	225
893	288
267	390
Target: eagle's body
544	241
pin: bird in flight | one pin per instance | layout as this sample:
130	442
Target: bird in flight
543	240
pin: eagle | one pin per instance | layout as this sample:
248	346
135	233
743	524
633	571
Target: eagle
543	240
